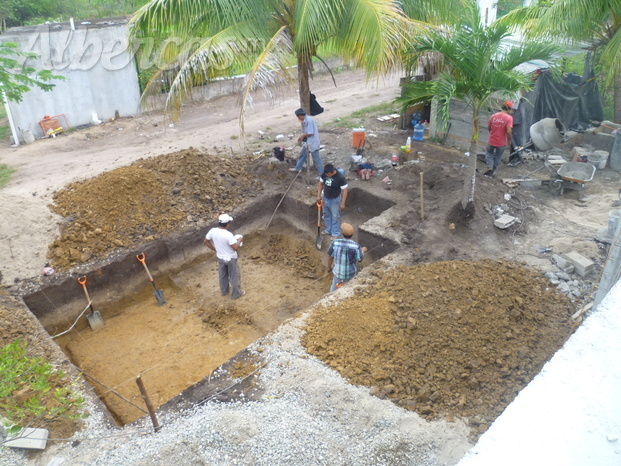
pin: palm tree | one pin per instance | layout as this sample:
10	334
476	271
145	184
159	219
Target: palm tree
477	64
595	24
264	38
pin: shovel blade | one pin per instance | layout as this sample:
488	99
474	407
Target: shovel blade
95	321
318	242
159	297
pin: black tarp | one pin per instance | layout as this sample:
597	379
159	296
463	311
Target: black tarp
574	100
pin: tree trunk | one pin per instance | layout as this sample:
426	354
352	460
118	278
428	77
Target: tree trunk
304	64
617	98
467	200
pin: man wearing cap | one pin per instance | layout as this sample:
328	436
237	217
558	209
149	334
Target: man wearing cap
310	134
500	126
226	245
334	187
344	255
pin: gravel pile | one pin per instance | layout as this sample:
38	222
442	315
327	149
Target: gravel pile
308	414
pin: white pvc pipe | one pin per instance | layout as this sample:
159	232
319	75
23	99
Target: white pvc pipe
9	116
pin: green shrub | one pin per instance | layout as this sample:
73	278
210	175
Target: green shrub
33	392
5	174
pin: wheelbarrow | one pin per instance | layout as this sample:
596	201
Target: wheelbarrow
572	175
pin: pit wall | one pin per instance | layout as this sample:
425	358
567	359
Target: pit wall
61	301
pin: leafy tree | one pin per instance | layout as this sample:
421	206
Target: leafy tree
15	79
477	64
595	24
264	38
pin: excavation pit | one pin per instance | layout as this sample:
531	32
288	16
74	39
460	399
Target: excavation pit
179	344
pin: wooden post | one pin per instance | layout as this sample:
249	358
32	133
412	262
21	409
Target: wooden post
422	203
147	401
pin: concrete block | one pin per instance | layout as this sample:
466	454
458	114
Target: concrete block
607	127
504	221
29	438
599	141
563	264
583	265
578	152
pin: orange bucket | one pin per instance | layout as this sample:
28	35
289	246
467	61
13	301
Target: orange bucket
358	138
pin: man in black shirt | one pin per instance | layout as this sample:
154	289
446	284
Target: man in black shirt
334	187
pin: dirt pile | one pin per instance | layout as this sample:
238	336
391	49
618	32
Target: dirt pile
294	254
145	200
445	339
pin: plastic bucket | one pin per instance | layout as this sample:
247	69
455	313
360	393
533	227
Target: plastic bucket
358	138
27	136
613	220
598	158
547	133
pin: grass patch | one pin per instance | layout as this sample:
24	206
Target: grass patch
357	118
5	174
4	125
32	392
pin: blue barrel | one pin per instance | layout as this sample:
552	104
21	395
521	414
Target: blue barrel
416	116
419	132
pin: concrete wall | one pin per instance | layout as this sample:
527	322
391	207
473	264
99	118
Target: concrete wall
99	70
460	130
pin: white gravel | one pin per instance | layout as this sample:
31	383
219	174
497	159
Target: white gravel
308	415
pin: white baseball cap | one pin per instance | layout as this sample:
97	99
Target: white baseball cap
225	218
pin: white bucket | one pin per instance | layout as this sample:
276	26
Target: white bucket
613	220
27	136
599	159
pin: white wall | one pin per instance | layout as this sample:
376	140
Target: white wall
99	70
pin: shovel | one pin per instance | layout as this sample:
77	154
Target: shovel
95	320
159	294
318	241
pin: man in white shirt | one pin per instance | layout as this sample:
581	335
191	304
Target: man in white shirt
226	245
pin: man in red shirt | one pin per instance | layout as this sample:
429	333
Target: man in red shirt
500	127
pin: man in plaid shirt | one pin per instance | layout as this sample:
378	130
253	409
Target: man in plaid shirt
344	255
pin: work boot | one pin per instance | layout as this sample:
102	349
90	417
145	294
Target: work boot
489	173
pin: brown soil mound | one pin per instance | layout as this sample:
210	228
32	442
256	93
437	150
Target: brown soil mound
145	200
293	253
445	339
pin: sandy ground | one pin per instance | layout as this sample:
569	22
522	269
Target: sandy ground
47	165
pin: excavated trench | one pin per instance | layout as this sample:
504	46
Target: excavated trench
179	344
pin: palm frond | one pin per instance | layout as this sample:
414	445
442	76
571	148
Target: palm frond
371	33
611	55
211	58
271	67
314	22
434	11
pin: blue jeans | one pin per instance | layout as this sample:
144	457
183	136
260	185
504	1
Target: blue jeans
493	155
332	215
316	158
335	282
